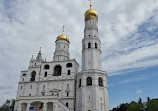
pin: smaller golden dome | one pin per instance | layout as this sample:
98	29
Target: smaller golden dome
62	37
91	12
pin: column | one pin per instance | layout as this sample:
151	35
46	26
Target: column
45	107
19	107
28	107
55	106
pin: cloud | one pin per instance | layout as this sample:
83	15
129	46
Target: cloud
139	91
128	31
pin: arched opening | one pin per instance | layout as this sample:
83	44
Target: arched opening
100	81
37	104
89	45
68	72
67	104
33	76
69	65
49	106
57	70
89	81
24	74
46	66
96	45
24	106
79	83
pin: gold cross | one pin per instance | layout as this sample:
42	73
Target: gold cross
63	29
90	3
40	49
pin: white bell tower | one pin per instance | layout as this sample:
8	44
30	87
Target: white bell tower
91	88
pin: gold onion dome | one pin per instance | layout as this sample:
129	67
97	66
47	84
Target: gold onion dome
62	37
91	14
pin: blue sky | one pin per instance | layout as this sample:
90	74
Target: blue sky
128	30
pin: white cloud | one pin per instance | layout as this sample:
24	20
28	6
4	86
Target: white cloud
139	91
26	25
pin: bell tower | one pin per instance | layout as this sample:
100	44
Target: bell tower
91	87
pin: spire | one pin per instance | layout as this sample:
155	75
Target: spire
39	56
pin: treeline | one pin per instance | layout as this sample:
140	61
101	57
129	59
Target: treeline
149	105
8	105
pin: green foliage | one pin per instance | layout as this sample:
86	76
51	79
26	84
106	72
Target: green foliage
150	105
134	106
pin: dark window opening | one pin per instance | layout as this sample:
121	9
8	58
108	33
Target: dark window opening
23	79
24	75
89	45
100	81
45	74
46	67
89	81
67	104
31	87
21	87
69	65
29	94
57	70
68	72
79	82
96	46
33	76
67	94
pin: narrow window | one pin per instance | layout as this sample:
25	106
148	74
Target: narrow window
79	82
43	87
100	81
31	87
68	72
89	45
29	94
96	46
23	79
67	94
89	81
45	75
67	104
33	76
21	87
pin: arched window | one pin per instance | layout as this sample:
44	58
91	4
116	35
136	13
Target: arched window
69	65
33	76
68	72
24	74
46	66
89	45
45	74
100	81
79	83
96	46
89	81
57	70
67	104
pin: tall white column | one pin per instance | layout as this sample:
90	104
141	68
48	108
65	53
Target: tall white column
28	107
45	107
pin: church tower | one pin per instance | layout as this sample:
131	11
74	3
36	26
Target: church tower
91	87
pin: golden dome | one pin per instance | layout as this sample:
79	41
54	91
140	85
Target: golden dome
62	37
91	12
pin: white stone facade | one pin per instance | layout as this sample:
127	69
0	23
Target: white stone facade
57	85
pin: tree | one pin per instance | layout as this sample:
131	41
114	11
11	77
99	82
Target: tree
134	106
152	105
